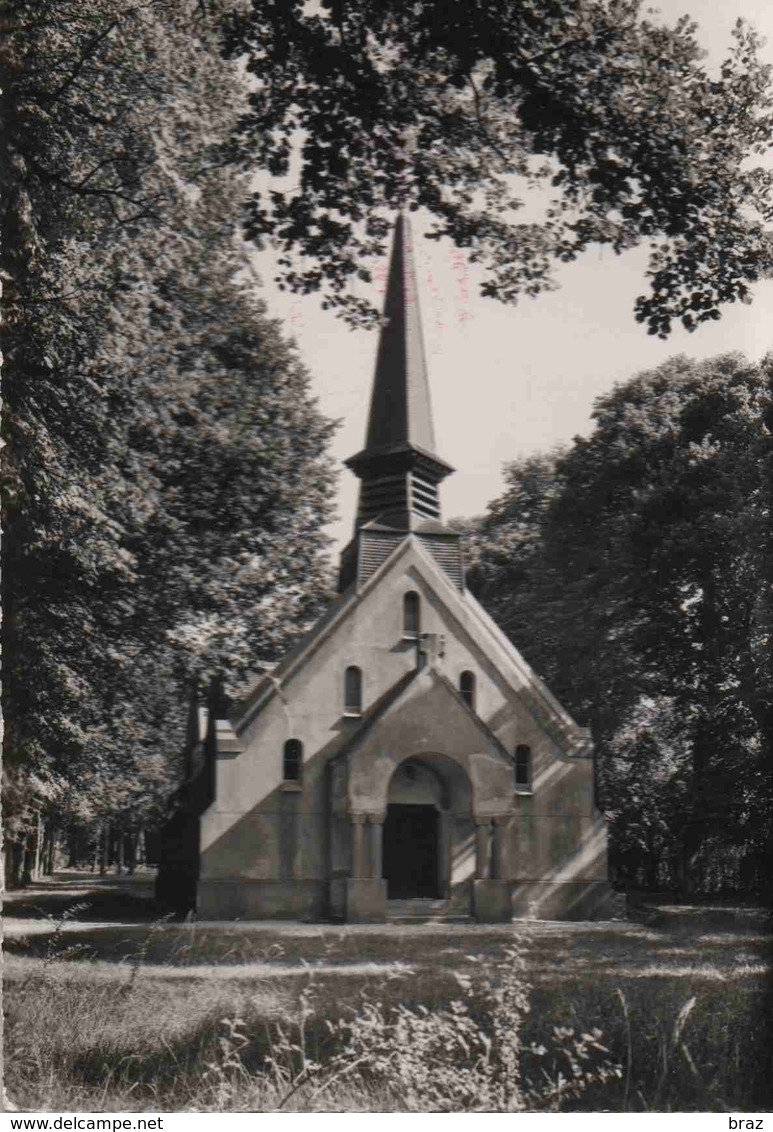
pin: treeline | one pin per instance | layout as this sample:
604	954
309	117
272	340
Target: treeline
165	469
631	569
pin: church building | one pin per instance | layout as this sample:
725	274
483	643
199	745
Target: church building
403	759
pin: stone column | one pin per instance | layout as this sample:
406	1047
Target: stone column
499	854
365	890
376	822
358	845
444	853
482	849
491	898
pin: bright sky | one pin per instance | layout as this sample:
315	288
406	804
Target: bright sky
509	381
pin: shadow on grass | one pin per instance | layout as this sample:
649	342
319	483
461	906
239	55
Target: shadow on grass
149	1040
154	1045
553	955
108	898
157	1049
678	918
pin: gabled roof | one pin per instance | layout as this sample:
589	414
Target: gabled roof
471	622
391	700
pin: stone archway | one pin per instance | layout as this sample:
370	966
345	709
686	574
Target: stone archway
428	799
418	835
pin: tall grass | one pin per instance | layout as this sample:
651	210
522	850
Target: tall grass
144	1025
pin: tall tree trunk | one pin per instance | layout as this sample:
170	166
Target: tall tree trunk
50	859
17	862
28	860
131	852
119	853
767	604
704	740
41	830
105	858
652	864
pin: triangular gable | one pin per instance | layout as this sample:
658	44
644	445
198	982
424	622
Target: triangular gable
416	724
471	621
394	701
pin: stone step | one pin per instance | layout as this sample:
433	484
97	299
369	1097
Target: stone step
422	908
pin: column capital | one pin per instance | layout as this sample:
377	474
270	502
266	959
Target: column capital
377	817
358	819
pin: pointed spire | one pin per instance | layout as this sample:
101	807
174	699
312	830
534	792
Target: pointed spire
400	410
398	465
398	468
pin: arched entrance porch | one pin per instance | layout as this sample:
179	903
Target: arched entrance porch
428	839
428	797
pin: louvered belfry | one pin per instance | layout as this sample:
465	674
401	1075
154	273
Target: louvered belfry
398	468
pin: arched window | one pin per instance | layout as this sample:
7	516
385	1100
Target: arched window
522	767
292	761
467	688
411	614
353	691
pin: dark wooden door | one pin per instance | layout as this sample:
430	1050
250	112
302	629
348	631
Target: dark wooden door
411	851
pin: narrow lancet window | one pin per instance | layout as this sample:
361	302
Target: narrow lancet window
353	691
523	767
467	688
411	615
292	762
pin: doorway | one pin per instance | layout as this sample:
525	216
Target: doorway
411	859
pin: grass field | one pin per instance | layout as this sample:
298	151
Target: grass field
111	1009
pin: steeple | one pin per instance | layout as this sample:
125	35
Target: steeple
400	412
398	468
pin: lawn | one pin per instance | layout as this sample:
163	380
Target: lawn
110	1008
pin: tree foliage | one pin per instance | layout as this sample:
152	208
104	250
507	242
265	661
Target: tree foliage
631	571
165	470
464	109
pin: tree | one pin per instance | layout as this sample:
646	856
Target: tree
631	571
463	109
165	469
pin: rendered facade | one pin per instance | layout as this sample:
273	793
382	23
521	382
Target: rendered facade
403	758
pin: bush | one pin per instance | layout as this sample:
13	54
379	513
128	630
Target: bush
466	1057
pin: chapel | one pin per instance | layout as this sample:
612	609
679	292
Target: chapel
403	760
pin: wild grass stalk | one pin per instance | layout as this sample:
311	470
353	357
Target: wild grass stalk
628	1049
346	1038
137	961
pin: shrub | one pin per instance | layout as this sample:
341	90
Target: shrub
465	1057
469	1056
